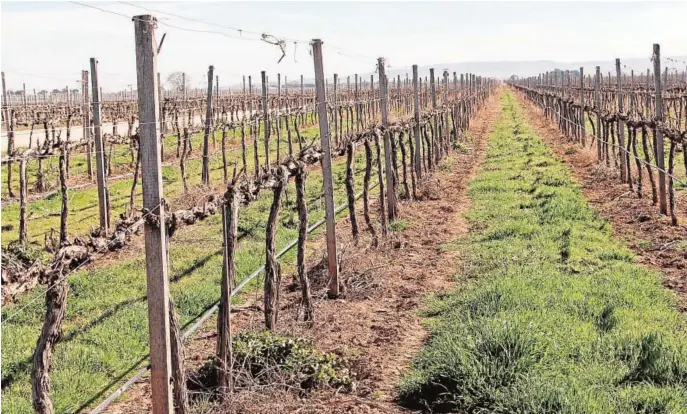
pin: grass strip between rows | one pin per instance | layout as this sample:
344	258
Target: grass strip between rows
554	316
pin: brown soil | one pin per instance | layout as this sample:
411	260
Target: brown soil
375	325
636	222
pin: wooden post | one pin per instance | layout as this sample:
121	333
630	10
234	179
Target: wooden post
86	123
334	112
384	97
266	121
327	179
99	151
597	106
621	126
10	135
583	128
435	146
205	178
416	116
357	104
155	234
660	157
185	90
445	86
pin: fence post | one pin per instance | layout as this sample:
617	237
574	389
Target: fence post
103	200
335	117
384	96
621	126
435	135
185	90
416	117
583	128
205	178
597	106
660	157
10	135
266	121
445	86
327	179
155	234
86	123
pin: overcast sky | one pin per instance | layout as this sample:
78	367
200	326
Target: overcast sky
46	45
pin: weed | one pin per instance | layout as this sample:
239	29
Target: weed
398	225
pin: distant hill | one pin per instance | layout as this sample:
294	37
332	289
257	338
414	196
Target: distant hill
503	69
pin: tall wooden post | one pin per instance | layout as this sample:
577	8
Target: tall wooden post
621	126
7	114
435	145
384	96
445	85
660	157
205	177
416	116
335	117
155	234
327	179
86	123
265	113
357	105
583	128
99	151
183	87
597	105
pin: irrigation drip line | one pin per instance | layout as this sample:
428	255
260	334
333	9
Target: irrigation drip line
208	313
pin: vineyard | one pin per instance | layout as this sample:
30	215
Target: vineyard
388	244
249	164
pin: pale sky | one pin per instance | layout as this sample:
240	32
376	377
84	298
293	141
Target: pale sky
47	44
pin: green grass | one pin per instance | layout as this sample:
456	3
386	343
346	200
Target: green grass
555	316
106	329
43	215
398	225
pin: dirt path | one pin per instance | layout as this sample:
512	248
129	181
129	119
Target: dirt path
635	220
376	326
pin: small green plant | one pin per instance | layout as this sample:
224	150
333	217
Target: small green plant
460	147
398	225
644	244
294	362
606	319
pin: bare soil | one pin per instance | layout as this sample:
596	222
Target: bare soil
375	325
636	221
